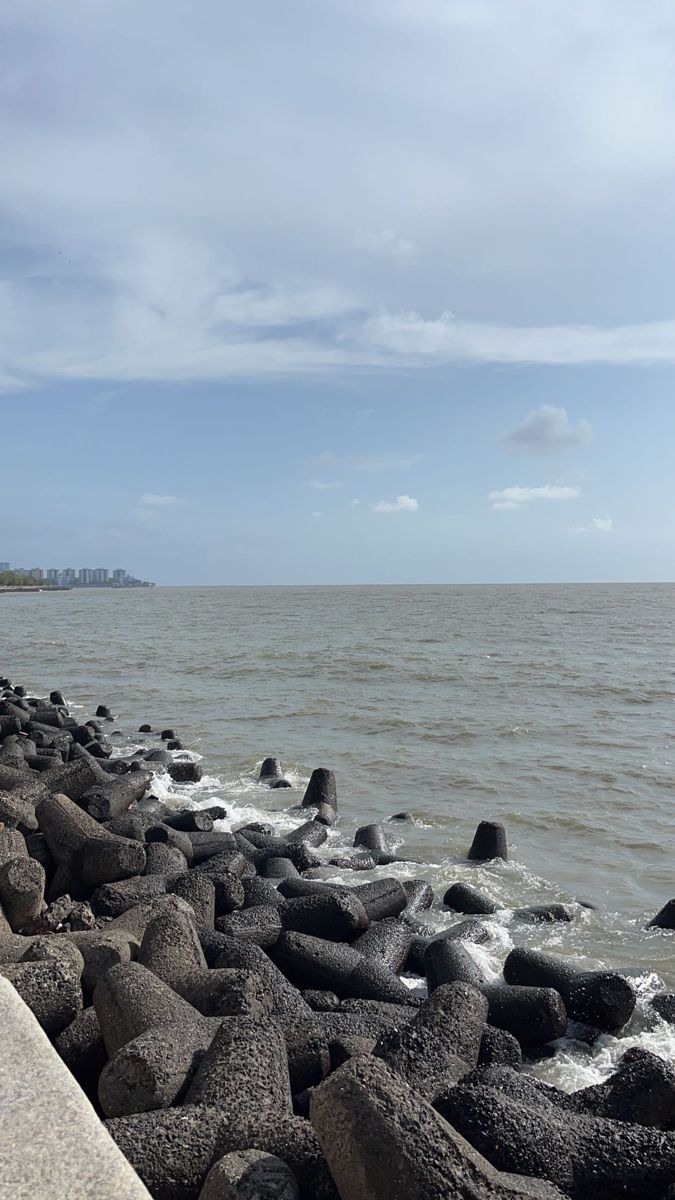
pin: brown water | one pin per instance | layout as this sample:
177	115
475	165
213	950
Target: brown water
549	708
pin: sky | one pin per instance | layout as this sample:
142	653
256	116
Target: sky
338	292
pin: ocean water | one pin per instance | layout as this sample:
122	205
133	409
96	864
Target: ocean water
549	708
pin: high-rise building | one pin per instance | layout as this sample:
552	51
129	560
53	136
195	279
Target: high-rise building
36	573
52	576
119	575
4	566
100	575
67	575
85	575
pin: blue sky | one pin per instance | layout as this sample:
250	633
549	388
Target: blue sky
338	292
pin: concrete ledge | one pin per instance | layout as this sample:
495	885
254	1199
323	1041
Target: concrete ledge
53	1145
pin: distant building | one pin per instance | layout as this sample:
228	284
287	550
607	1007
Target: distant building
119	575
68	575
85	575
23	571
52	576
100	575
4	566
36	573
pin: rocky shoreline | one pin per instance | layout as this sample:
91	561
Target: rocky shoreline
242	1027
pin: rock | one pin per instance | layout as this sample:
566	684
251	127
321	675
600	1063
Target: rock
185	771
51	990
387	941
333	916
129	1000
489	842
270	770
151	1071
81	1047
250	1175
382	1140
321	789
420	896
172	1151
602	999
464	898
440	1044
22	890
584	1156
71	1154
244	1073
665	918
317	962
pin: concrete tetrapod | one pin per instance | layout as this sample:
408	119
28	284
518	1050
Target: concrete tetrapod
382	1140
250	1175
591	1158
441	1043
52	1140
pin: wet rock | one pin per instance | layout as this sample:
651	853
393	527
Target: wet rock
489	842
271	769
665	917
603	999
321	789
464	898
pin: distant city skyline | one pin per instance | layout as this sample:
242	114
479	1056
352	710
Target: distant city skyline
82	577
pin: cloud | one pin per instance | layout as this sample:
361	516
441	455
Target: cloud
375	464
597	524
516	497
152	500
445	339
324	485
151	237
355	503
388	243
547	429
400	504
316	515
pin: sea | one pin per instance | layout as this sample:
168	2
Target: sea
549	708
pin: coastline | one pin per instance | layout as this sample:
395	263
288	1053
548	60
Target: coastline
279	1006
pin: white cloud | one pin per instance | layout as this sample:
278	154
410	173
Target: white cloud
389	243
355	503
152	237
400	504
445	339
152	500
597	524
325	485
547	429
515	497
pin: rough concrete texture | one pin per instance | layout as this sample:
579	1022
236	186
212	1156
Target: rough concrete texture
441	1043
51	990
245	1072
382	1140
151	1071
172	1151
129	999
587	1157
53	1143
250	1175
